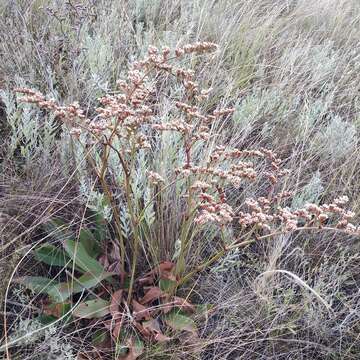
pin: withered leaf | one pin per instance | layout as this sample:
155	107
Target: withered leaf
183	304
154	293
117	328
116	299
140	312
160	337
146	333
154	326
58	309
164	269
166	266
146	280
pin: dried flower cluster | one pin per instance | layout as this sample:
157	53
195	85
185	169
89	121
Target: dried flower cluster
228	167
124	114
266	215
212	210
199	47
155	178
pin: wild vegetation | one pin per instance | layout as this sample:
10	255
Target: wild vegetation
179	179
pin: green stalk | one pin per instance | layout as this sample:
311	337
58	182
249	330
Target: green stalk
112	202
217	256
134	224
180	264
202	266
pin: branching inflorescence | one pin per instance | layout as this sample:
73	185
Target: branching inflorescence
131	117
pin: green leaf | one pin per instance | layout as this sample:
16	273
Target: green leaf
51	255
180	322
80	256
130	346
58	229
138	346
127	281
167	285
100	230
91	309
88	281
120	343
64	290
203	309
46	319
91	245
120	349
37	284
100	337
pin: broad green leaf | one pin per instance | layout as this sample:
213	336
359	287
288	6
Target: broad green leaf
91	245
89	281
64	290
80	256
178	321
38	284
58	229
167	285
52	255
91	309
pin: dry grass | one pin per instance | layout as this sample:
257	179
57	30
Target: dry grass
291	70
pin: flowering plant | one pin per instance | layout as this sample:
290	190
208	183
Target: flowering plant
128	123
